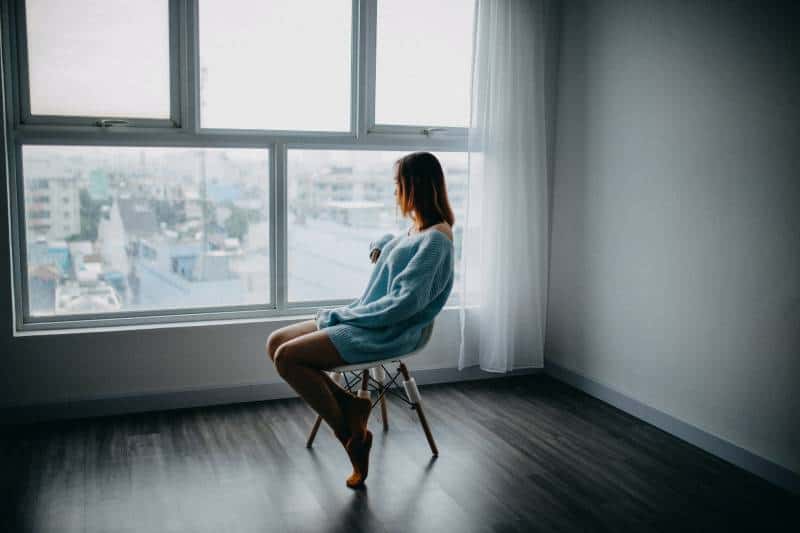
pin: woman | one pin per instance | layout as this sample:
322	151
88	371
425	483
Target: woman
409	285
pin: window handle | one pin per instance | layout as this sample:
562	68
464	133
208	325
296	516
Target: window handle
108	122
428	131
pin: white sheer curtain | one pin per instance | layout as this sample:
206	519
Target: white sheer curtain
503	278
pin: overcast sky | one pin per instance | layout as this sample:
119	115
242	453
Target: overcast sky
277	64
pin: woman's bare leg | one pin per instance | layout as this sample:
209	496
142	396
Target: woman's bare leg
303	362
288	333
293	331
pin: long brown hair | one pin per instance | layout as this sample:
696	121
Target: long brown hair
421	190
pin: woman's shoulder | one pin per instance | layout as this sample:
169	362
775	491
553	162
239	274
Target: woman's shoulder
445	229
431	241
442	228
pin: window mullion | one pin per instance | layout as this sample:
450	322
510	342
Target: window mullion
280	236
177	16
19	64
356	70
175	61
21	303
367	29
187	84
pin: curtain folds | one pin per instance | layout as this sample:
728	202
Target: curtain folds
504	246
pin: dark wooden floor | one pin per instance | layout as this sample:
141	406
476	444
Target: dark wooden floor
517	454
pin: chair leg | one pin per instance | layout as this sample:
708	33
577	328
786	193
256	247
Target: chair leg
384	412
313	433
337	377
412	392
380	376
364	391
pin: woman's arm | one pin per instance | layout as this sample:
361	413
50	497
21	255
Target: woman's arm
380	243
409	292
321	317
376	247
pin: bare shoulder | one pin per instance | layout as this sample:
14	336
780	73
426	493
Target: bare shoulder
445	228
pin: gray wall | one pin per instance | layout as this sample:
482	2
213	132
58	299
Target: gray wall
150	368
54	369
675	267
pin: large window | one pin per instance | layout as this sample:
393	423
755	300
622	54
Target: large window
181	160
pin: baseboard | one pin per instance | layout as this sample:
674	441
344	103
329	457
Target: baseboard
162	401
764	468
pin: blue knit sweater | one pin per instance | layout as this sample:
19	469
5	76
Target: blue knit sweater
407	288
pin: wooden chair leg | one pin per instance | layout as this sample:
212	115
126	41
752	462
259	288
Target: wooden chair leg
379	375
413	394
364	392
313	433
337	377
384	412
427	430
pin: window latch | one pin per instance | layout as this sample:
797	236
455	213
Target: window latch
428	131
109	122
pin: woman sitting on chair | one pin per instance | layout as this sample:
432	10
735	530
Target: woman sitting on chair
409	284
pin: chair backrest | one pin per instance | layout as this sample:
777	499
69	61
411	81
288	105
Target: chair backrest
427	331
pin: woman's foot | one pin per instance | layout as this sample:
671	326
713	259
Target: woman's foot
358	450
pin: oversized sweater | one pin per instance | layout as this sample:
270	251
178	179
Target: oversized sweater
407	288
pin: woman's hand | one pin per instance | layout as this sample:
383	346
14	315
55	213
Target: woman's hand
374	254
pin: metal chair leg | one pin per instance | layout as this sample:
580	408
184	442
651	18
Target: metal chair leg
412	392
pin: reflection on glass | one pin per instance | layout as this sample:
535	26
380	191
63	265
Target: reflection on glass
339	201
111	229
275	64
106	58
423	61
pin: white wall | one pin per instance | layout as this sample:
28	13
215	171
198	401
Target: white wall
675	268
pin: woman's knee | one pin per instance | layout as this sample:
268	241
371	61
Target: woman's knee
283	359
273	343
285	334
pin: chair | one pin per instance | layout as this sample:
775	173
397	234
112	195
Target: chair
371	377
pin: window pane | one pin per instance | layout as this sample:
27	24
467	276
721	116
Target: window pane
111	229
423	62
276	64
99	58
339	201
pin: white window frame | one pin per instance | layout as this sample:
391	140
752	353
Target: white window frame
451	133
17	11
184	130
